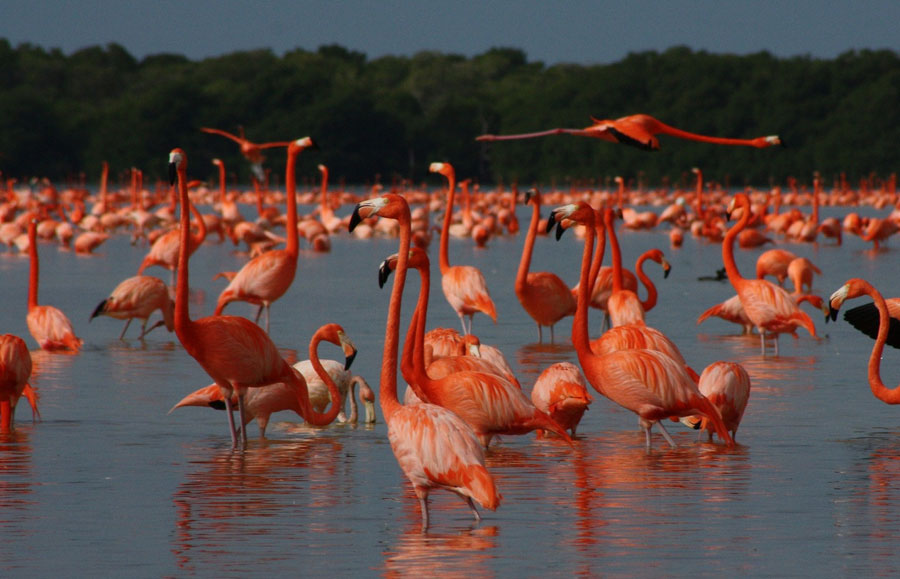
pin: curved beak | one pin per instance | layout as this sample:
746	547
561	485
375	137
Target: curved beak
384	272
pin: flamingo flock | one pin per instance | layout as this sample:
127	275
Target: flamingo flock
462	394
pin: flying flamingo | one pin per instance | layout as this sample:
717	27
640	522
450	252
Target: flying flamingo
235	352
855	288
543	295
433	446
15	370
48	325
487	401
768	306
561	392
463	285
727	386
649	383
138	297
261	403
638	131
267	277
251	151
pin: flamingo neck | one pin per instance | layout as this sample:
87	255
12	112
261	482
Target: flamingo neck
443	255
528	248
33	267
325	207
734	276
661	127
815	211
699	198
313	417
183	323
104	176
223	185
618	285
597	262
650	302
388	388
882	392
290	189
580	339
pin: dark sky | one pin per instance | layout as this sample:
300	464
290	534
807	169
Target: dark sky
550	31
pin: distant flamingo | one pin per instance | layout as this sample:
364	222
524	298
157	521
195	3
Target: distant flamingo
543	295
638	131
433	446
463	285
768	306
331	221
260	403
730	310
268	276
727	386
801	271
855	288
138	297
15	370
165	250
234	351
561	392
48	325
251	151
774	262
649	383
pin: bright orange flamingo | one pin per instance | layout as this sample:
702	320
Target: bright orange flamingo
434	447
463	285
261	403
268	276
543	295
326	214
235	352
138	297
727	386
768	306
48	325
638	131
561	392
774	262
639	336
730	310
15	370
251	151
165	250
855	288
649	383
487	401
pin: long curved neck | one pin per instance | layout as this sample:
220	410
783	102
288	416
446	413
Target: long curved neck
597	262
580	339
33	267
443	256
388	388
661	127
650	302
197	239
528	248
734	276
882	392
290	189
183	323
313	417
618	285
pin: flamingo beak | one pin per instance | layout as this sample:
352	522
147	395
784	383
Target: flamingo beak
355	219
551	221
384	272
666	269
173	173
349	350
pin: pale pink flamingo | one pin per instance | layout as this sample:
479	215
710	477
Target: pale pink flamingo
138	297
434	447
801	271
774	262
48	325
543	295
638	131
463	285
727	386
768	306
267	277
561	392
235	352
649	383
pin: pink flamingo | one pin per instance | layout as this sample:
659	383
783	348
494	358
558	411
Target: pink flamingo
561	392
138	297
434	447
727	386
15	370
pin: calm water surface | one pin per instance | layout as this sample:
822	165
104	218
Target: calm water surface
109	483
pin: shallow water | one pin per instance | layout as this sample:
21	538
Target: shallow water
108	483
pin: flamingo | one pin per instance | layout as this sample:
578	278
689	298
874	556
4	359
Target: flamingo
854	288
561	392
649	383
543	295
730	310
268	276
487	401
727	386
251	151
48	325
261	403
15	370
138	297
434	447
235	352
638	131
165	250
774	262
801	271
639	336
463	285
768	306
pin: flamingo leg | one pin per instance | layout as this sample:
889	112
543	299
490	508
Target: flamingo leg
665	434
125	329
153	327
423	505
540	334
552	337
228	411
241	415
258	314
474	510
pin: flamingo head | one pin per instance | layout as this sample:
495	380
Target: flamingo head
533	193
391	205
566	216
177	161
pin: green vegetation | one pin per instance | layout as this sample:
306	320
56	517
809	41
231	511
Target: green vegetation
61	115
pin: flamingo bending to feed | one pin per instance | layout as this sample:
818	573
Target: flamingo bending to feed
543	295
649	383
638	131
235	352
463	285
138	297
855	288
561	392
434	447
48	325
727	386
768	306
268	276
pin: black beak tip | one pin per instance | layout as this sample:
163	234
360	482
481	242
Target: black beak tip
559	231
666	273
832	313
173	173
355	219
384	272
349	360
